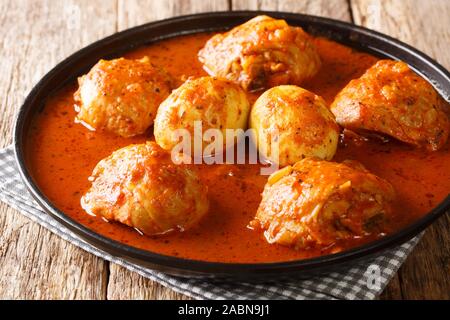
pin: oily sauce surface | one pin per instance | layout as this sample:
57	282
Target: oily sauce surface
62	155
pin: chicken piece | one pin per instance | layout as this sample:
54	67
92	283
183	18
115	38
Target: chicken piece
316	203
139	186
216	104
121	96
393	100
261	53
298	120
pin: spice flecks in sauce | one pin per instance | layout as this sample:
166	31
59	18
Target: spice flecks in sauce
62	155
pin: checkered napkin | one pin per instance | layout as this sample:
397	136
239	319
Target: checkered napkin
365	280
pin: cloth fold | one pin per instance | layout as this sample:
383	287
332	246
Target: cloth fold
365	280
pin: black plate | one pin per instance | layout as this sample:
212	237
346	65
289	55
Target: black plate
81	61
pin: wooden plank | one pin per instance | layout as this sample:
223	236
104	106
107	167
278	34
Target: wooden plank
422	24
124	284
337	9
34	263
393	290
426	272
135	12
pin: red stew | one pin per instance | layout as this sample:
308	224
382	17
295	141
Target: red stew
62	155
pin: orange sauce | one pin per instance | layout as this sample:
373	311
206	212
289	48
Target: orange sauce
62	155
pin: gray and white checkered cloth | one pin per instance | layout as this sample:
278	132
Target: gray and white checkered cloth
357	282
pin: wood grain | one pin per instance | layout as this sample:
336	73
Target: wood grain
424	25
136	12
35	264
337	9
426	272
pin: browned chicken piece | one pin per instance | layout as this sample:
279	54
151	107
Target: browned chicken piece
316	203
121	96
393	100
261	53
139	186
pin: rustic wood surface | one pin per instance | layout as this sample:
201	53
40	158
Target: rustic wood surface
35	35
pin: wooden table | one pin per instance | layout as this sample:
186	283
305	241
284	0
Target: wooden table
35	35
